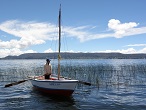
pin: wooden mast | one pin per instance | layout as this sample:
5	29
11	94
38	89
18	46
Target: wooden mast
59	56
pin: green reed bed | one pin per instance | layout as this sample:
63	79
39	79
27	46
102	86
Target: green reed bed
107	75
97	74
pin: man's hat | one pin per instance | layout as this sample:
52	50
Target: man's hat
48	59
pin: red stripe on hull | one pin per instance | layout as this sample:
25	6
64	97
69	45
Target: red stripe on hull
55	92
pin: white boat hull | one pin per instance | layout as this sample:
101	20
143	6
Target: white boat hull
57	87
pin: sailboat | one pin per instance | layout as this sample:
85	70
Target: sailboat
56	85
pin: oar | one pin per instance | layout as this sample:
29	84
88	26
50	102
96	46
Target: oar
18	82
86	83
15	83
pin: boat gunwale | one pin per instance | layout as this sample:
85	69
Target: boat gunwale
55	81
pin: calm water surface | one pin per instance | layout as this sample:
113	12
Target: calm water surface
117	84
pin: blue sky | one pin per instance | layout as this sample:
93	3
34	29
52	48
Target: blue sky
28	26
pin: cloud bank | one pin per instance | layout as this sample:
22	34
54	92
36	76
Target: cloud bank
27	34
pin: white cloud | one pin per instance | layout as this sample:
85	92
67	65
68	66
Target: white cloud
136	45
27	34
125	29
71	51
34	33
116	28
143	50
13	52
83	34
30	51
119	28
6	52
126	51
49	51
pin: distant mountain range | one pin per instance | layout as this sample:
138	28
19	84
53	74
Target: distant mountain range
78	56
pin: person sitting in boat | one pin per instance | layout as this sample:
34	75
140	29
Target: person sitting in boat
47	69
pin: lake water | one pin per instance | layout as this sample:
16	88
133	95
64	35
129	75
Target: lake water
117	84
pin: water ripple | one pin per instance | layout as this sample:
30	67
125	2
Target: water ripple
117	85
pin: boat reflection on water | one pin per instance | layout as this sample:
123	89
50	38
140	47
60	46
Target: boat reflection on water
54	101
